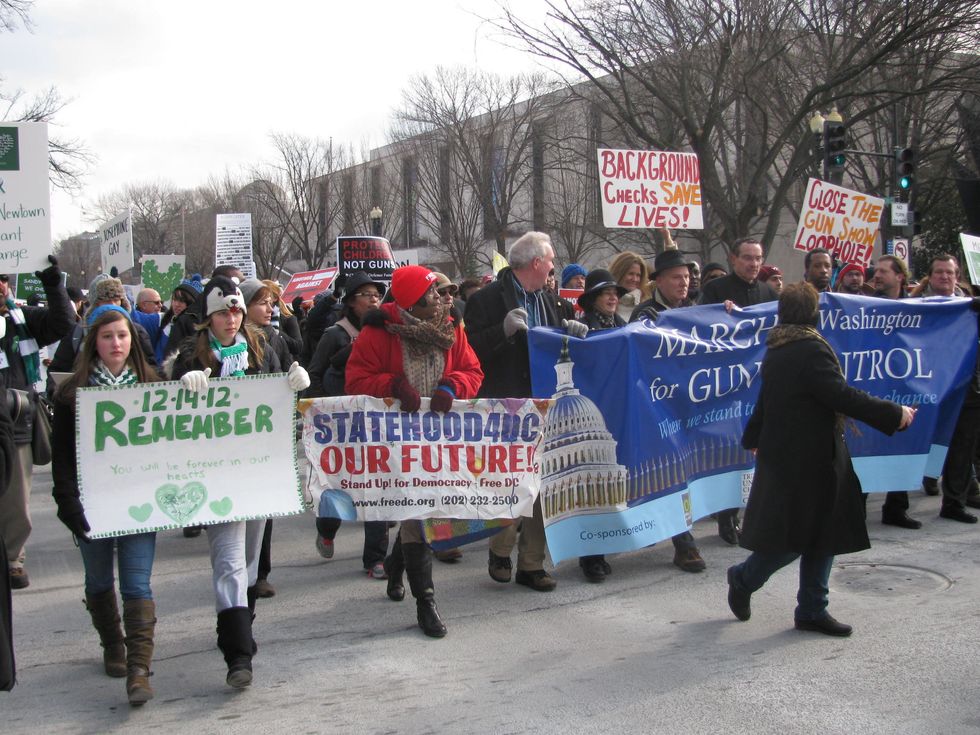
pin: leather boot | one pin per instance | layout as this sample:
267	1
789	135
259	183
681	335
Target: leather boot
105	619
394	565
235	642
418	569
139	617
251	594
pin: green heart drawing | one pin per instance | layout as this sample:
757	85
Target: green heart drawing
141	512
163	283
221	507
181	503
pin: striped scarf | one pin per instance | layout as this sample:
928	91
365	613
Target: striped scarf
25	345
233	359
102	376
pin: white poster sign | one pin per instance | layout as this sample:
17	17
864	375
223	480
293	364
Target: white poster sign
233	242
843	221
117	242
377	462
650	189
155	456
162	273
405	257
25	197
971	250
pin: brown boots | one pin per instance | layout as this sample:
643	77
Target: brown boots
105	618
139	618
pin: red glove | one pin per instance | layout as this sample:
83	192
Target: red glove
404	392
442	397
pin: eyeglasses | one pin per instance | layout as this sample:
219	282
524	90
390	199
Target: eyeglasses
151	301
368	295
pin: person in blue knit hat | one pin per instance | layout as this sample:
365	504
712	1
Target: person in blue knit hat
183	296
573	276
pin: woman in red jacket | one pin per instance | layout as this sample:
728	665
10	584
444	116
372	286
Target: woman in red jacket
408	349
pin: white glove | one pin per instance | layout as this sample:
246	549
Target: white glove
515	320
196	381
575	329
297	377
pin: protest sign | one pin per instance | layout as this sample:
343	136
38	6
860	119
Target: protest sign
371	461
116	238
843	221
405	257
366	253
25	198
162	273
155	456
647	419
308	284
28	283
233	242
971	251
650	189
571	296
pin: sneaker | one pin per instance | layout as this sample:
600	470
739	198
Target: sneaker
538	580
264	589
377	571
324	547
449	556
18	578
499	568
689	560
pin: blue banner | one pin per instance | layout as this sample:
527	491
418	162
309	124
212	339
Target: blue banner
644	436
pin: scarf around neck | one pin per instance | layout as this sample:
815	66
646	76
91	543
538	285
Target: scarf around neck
233	359
24	344
102	376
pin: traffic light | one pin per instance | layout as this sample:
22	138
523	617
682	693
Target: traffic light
834	145
905	168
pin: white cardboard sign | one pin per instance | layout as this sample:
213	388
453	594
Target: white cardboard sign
117	242
650	189
25	197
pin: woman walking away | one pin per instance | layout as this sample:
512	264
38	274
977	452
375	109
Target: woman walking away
110	355
406	349
225	347
805	501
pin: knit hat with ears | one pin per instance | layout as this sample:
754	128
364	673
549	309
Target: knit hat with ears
220	294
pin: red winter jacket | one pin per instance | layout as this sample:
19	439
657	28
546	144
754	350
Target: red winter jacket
376	360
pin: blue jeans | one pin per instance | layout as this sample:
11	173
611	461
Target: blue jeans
135	560
752	573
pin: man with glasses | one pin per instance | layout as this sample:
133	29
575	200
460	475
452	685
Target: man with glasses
741	287
149	302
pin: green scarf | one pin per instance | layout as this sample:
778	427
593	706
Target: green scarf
25	345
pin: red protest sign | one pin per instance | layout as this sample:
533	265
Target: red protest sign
571	296
372	255
308	284
650	189
843	221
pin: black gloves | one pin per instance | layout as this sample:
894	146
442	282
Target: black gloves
50	277
76	523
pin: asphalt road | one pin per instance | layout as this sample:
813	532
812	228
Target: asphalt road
651	650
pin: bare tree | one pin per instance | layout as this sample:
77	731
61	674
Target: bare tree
296	192
736	81
484	124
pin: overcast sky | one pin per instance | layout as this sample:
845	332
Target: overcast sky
182	89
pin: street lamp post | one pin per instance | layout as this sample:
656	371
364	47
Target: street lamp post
375	217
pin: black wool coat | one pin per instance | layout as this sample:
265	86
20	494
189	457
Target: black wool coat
805	496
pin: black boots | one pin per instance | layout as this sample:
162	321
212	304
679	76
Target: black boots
105	619
418	568
235	642
394	565
139	618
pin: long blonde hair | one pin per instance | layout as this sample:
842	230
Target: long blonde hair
621	265
276	290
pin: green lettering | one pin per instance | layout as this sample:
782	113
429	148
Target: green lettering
203	425
107	415
163	428
242	427
136	436
263	418
182	428
222	424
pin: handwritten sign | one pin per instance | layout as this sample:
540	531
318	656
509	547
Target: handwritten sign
650	189
155	456
371	255
25	198
116	236
843	221
971	249
371	461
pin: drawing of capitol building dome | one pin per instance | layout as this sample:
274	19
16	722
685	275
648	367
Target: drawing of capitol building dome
578	462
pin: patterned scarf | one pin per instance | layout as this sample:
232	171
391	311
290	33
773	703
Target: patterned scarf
102	376
424	346
25	345
233	359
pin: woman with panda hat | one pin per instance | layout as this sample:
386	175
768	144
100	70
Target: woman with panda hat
226	348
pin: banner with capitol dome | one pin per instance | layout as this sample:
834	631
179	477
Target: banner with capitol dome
644	434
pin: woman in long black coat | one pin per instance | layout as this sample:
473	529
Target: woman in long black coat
805	501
